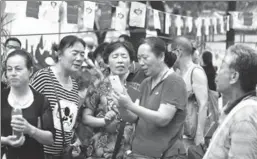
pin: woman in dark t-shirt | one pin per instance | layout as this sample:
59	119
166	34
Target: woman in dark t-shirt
36	121
160	114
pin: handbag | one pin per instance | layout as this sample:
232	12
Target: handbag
192	114
67	149
192	110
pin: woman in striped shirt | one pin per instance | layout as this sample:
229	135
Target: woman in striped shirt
56	83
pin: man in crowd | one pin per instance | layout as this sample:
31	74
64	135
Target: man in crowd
9	45
12	43
197	87
236	136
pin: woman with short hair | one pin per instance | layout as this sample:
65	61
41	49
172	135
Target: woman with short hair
100	112
36	122
161	112
61	89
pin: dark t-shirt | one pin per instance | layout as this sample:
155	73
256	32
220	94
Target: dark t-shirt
150	139
31	149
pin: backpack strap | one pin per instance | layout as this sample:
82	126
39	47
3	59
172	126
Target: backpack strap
191	76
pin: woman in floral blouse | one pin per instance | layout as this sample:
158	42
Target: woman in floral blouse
101	112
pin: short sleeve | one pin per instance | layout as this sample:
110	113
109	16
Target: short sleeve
47	117
92	98
142	85
174	92
38	81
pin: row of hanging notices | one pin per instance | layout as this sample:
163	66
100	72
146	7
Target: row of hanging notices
138	15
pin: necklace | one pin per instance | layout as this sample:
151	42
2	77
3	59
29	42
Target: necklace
24	102
154	83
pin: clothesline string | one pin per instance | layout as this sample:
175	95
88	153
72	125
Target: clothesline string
78	32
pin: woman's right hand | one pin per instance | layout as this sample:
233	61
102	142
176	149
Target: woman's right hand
109	117
14	142
110	121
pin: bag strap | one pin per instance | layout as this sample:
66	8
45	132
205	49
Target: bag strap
191	77
119	139
59	108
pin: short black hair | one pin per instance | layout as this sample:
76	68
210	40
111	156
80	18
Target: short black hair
115	45
245	63
12	39
158	46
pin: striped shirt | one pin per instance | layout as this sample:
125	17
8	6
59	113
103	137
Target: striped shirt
238	138
45	82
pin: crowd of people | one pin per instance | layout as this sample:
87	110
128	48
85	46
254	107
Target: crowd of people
168	105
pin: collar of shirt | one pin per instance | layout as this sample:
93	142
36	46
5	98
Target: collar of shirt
231	105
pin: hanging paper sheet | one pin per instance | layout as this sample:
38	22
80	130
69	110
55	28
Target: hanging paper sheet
150	19
228	22
167	23
179	24
49	10
105	18
207	24
72	12
32	9
189	24
137	14
214	21
157	23
121	18
198	24
244	21
89	14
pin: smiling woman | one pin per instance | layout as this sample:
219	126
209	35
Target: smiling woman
101	111
57	84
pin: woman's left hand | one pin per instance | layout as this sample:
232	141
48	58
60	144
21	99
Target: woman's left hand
123	99
20	124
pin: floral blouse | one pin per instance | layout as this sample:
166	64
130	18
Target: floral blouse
99	100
